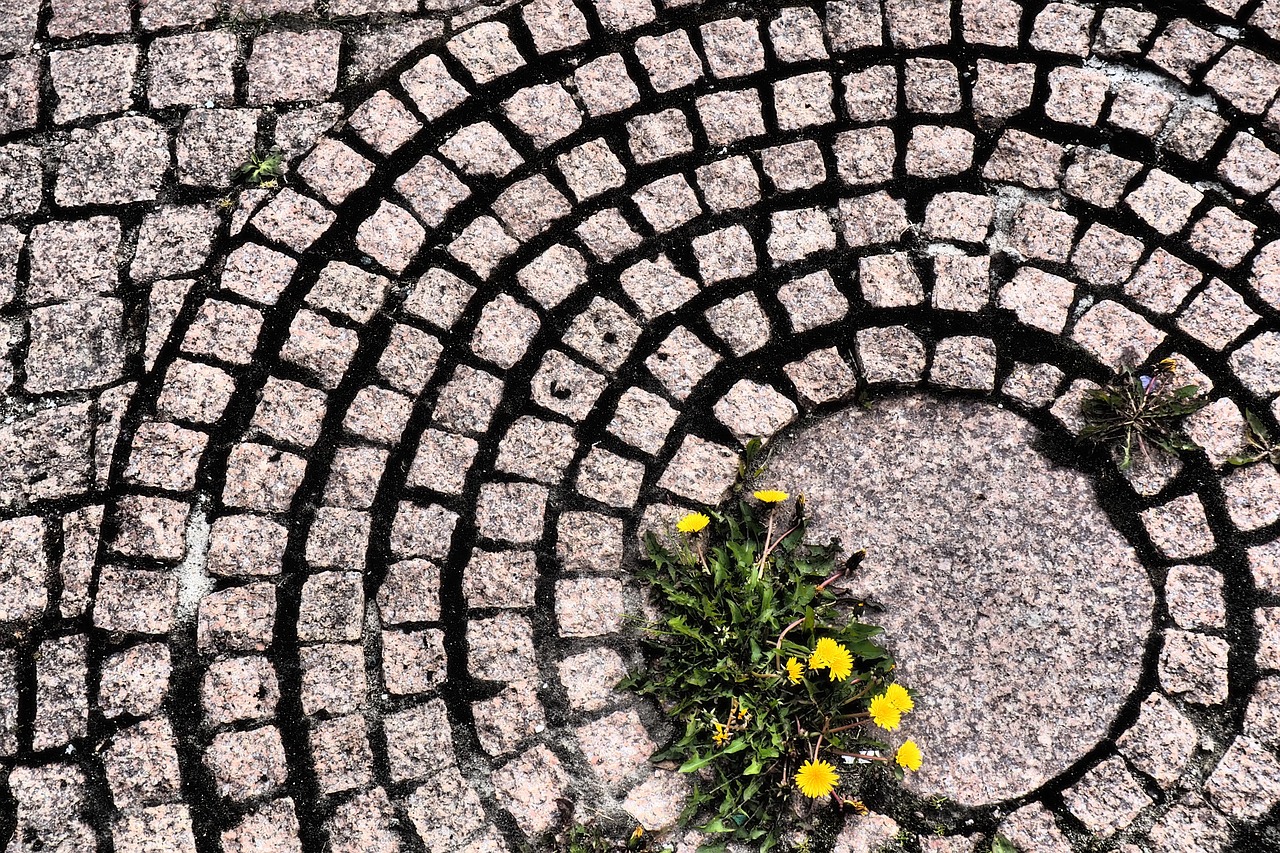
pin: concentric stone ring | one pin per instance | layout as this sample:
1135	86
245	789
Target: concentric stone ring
319	498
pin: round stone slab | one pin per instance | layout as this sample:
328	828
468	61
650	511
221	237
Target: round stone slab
1011	603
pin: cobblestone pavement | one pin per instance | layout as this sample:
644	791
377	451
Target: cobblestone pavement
317	500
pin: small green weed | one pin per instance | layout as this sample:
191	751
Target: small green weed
756	656
263	170
1258	443
1140	411
1000	844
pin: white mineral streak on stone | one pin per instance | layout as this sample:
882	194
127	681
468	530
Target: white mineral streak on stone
1011	603
192	573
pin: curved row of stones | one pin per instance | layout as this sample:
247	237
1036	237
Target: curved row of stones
360	504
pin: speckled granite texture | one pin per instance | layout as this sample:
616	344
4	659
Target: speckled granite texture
319	499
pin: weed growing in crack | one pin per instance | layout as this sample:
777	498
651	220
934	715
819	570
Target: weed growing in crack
1141	411
781	696
263	170
1258	443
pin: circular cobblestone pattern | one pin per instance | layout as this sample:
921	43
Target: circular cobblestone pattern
320	495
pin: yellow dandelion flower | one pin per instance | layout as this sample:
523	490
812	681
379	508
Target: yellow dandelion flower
901	699
722	735
839	663
692	523
823	651
857	805
884	713
771	496
908	755
816	779
795	671
1169	364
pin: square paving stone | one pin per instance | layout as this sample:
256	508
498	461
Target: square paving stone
262	478
319	346
890	354
872	219
422	531
643	420
1162	283
165	456
378	415
512	512
141	765
409	359
192	70
135	681
410	593
293	220
555	25
700	471
1246	782
237	619
353	477
500	579
333	678
509	718
136	602
258	273
1217	316
289	412
1223	237
166	827
90	81
751	410
412	661
1252	496
681	362
741	323
364	823
75	345
239	689
732	47
247	764
468	401
445	810
669	60
931	86
272	828
530	786
442	461
1194	667
965	361
486	51
872	94
537	449
1162	742
589	678
419	742
865	156
546	113
604	85
225	331
821	377
340	753
174	240
1107	798
73	259
287	66
589	541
